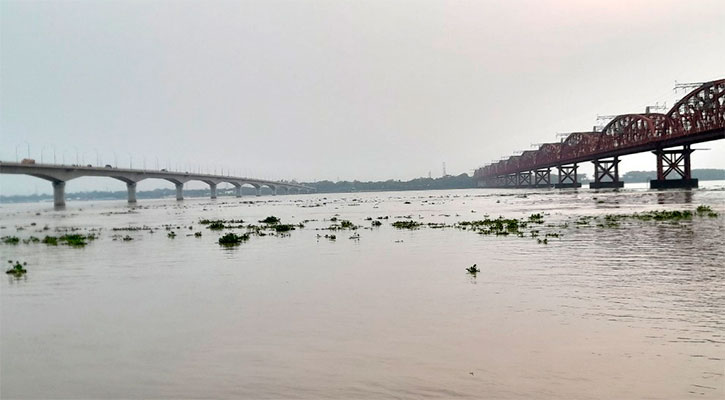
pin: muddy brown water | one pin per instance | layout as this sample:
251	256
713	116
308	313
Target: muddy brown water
630	311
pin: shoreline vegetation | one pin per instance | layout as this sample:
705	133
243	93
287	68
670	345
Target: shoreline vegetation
462	181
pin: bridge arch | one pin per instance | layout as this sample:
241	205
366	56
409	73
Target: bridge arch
627	130
579	144
701	110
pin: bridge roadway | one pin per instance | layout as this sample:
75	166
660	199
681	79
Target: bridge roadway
698	117
58	175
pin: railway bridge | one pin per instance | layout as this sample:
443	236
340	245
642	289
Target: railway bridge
697	117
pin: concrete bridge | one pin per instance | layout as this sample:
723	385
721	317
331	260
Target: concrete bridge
58	175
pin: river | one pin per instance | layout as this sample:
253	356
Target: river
632	309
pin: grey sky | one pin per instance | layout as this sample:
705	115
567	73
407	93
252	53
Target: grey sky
335	89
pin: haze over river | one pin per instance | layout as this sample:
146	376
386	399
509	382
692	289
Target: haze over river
631	310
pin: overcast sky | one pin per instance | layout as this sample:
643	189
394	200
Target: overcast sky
314	90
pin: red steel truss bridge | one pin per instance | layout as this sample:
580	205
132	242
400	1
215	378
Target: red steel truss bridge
697	117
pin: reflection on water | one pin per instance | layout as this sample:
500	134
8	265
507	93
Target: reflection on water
628	311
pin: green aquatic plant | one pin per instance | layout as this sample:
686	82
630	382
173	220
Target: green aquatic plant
17	270
216	225
473	270
271	220
74	240
171	235
232	239
50	240
10	239
706	210
345	224
376	223
406	224
197	234
283	227
663	215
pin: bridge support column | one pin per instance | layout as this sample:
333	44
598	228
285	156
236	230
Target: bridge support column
274	191
131	186
677	161
212	188
179	191
568	177
501	181
542	178
511	180
59	193
238	191
606	174
259	191
523	179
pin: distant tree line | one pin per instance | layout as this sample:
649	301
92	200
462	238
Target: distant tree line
701	174
462	181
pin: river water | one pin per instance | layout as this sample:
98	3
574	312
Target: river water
632	310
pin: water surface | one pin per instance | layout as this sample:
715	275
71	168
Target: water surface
633	311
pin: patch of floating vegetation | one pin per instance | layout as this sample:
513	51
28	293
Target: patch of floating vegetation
232	239
705	210
219	224
10	239
50	240
31	239
18	269
344	224
406	224
283	227
473	270
171	235
76	240
271	220
376	223
133	228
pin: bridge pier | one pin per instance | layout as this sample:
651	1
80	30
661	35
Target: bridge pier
523	179
677	161
274	191
59	193
604	169
179	191
259	191
511	180
238	191
212	188
131	187
568	177
542	178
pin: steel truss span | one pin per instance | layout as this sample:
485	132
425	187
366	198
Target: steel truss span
697	117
